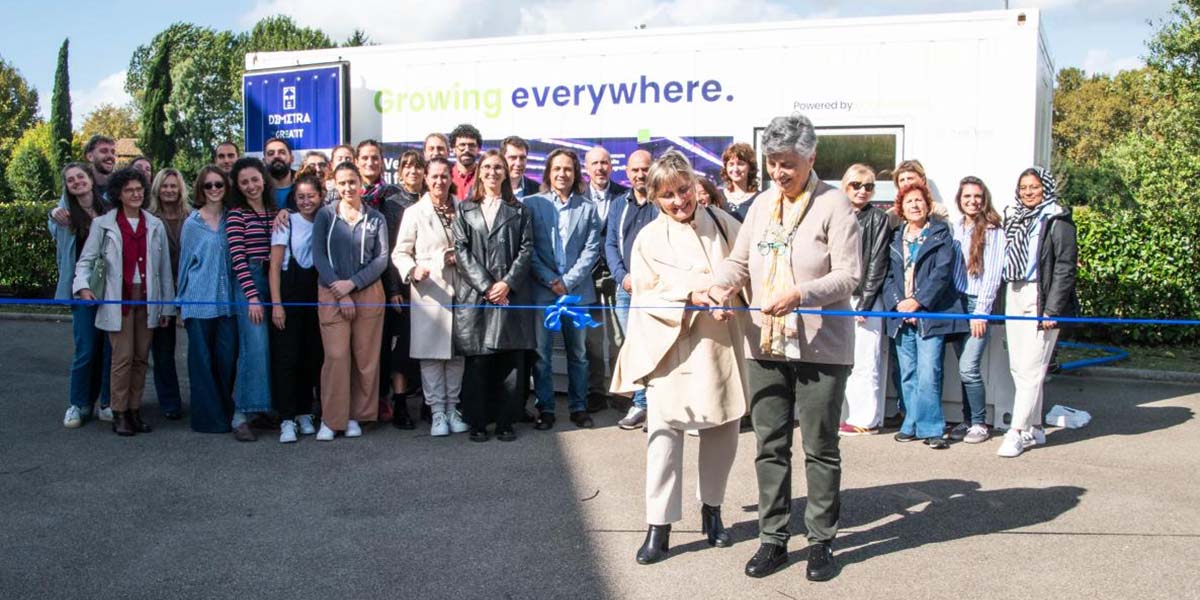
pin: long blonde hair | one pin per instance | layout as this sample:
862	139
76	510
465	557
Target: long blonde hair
185	206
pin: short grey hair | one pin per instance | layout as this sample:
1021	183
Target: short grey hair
790	134
670	166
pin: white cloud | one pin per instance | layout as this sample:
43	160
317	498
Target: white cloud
1098	60
109	90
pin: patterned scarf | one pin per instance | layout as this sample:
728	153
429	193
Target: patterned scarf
1021	223
373	194
776	247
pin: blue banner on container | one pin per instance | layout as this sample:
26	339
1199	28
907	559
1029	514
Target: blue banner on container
303	106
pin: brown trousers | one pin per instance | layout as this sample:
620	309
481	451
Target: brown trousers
350	374
130	357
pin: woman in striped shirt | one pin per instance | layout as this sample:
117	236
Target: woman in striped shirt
248	224
977	276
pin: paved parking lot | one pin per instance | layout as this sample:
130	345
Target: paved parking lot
1112	510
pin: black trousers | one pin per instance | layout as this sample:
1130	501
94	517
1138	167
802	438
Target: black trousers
296	350
492	388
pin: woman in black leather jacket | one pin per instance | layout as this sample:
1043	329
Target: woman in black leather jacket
493	243
866	385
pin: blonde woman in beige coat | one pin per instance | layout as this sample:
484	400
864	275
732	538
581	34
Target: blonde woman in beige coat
424	256
690	362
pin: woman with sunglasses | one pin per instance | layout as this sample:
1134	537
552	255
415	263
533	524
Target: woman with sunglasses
865	388
205	293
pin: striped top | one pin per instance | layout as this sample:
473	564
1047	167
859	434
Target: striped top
249	235
985	285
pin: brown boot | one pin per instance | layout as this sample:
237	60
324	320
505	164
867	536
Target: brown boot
122	424
135	419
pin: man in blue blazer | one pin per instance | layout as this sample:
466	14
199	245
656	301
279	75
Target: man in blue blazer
566	246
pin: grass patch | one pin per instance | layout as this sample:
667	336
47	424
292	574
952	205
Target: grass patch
1156	358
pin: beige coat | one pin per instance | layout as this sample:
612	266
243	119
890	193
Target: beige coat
160	284
423	241
692	364
825	264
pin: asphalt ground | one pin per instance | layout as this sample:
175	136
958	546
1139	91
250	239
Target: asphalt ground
1108	511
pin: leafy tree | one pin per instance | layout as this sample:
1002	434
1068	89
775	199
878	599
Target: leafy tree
109	119
279	33
205	108
1091	113
30	172
18	112
184	38
358	38
60	111
156	139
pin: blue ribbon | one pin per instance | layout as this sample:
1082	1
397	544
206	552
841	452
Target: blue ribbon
555	312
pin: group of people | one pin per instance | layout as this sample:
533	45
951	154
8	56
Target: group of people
328	297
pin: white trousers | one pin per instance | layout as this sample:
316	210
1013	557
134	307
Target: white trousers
1030	349
442	382
664	466
865	389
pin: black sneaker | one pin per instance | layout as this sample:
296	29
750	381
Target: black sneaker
768	559
582	420
821	566
544	422
904	437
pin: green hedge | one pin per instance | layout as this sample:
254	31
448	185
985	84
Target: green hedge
1139	263
27	261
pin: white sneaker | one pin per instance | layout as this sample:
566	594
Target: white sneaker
1036	437
105	414
352	429
325	434
73	419
305	423
632	419
440	425
977	434
1011	447
457	425
287	431
693	432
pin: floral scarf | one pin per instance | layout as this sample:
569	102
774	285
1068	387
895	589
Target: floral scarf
776	248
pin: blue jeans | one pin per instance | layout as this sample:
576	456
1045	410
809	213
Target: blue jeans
920	361
623	298
92	363
166	380
212	352
252	388
575	340
970	354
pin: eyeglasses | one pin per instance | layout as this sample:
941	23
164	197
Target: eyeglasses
214	185
858	185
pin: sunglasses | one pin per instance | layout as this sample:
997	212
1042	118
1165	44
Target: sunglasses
858	185
214	185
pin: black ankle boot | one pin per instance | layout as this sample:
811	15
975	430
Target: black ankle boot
400	418
135	420
710	525
656	546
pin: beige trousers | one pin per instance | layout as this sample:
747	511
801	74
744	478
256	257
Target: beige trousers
350	374
130	357
1030	349
664	466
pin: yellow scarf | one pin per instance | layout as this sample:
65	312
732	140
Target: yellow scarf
776	247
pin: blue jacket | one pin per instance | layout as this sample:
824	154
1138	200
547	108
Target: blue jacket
582	247
625	219
933	281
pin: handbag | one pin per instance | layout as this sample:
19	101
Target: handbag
98	278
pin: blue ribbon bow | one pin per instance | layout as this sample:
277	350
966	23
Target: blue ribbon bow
562	308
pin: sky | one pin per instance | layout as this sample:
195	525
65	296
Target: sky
1099	36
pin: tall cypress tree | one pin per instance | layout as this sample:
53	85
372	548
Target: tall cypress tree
60	112
155	142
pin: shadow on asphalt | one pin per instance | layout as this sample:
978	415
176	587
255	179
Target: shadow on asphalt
904	516
178	514
1117	413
